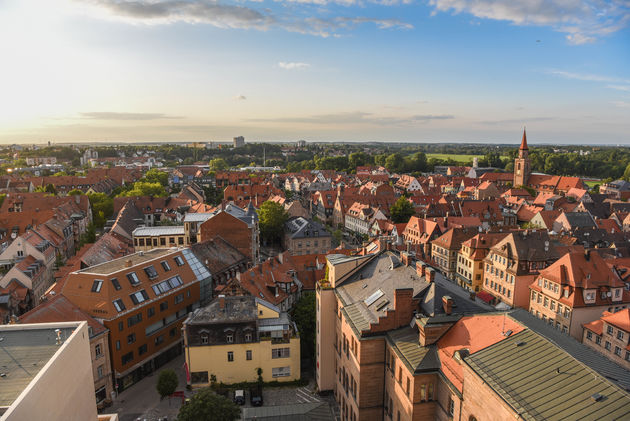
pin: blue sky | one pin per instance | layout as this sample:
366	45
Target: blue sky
390	70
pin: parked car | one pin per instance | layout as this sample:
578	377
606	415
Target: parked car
256	396
239	397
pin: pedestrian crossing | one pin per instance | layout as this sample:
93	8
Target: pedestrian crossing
304	395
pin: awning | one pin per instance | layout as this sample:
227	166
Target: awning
485	296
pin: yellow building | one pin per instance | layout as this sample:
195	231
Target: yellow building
470	273
234	336
148	238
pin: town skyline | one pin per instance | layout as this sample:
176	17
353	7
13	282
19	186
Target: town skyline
437	71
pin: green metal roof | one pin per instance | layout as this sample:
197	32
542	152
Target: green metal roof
540	381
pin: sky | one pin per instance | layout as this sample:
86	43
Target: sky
319	70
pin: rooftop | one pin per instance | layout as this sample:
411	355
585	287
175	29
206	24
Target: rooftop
559	387
24	353
158	231
123	262
235	309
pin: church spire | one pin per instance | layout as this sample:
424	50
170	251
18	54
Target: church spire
524	141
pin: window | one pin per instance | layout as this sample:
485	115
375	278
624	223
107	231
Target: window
133	278
120	306
607	345
280	372
204	338
248	355
408	386
133	320
618	351
115	283
229	338
619	334
142	349
127	358
138	297
150	312
167	285
179	298
609	330
451	406
165	265
280	353
163	305
151	272
131	338
172	332
162	241
430	393
159	340
423	392
598	340
178	260
248	337
98	352
117	345
97	285
199	377
100	371
20	253
230	356
121	326
589	335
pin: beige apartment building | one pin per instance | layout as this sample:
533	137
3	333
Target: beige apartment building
576	290
610	336
470	260
148	238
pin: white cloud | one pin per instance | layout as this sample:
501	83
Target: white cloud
587	77
625	88
111	115
240	98
212	12
621	104
290	65
358	117
582	20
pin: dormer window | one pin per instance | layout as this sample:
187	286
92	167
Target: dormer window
229	338
133	278
204	338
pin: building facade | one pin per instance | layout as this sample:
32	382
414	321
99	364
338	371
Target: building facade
233	337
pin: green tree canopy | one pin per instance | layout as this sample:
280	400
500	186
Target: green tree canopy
303	315
167	383
156	176
271	219
402	210
144	188
102	208
218	164
75	192
206	405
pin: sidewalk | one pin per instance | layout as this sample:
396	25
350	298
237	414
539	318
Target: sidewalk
142	401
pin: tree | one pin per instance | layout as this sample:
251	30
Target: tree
102	208
206	405
144	188
75	192
167	383
402	210
303	315
156	176
394	162
271	219
218	164
50	188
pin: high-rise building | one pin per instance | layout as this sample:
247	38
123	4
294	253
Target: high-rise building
239	141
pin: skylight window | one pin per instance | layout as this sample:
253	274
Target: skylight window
372	298
151	272
97	285
138	297
116	284
179	260
120	306
166	266
133	278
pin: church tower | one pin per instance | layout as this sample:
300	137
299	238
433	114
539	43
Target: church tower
521	164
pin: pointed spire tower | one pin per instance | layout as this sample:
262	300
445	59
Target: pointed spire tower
522	168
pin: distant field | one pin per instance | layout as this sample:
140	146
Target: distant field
457	157
591	183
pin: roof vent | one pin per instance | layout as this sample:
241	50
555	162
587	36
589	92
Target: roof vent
508	333
520	343
596	397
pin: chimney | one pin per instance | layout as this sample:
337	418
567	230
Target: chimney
430	274
420	268
222	302
128	263
404	257
447	303
408	246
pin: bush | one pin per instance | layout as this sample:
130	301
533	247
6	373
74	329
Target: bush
167	383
